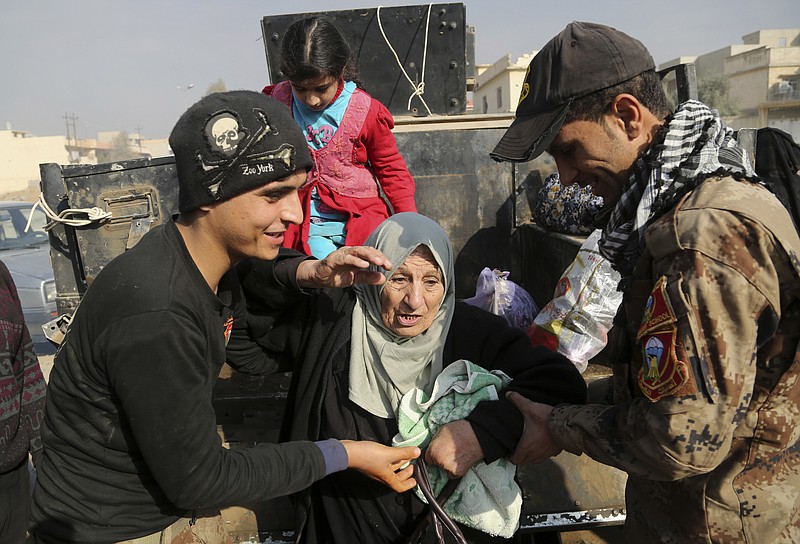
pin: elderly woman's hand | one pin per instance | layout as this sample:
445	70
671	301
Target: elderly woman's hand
386	464
343	268
454	449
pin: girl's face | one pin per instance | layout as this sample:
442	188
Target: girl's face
317	92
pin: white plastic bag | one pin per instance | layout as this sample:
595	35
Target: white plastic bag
495	293
576	322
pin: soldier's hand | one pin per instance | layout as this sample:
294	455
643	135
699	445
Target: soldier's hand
392	466
536	443
343	268
454	449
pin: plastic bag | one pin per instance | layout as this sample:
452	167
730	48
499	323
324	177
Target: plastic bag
495	293
576	322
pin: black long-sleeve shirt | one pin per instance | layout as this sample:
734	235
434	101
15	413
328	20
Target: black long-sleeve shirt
130	433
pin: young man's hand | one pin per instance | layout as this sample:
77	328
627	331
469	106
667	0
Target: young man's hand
392	466
343	268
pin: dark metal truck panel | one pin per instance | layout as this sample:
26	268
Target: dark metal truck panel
431	43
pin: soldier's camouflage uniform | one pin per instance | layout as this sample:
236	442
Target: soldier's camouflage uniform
705	418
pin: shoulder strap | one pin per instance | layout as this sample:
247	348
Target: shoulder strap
436	516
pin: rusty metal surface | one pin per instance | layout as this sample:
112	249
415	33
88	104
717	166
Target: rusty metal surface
570	490
478	202
140	193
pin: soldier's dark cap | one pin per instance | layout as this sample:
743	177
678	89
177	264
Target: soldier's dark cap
229	143
581	59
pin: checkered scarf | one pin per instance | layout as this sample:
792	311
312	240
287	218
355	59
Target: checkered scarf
693	145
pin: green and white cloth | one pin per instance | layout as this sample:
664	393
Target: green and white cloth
487	498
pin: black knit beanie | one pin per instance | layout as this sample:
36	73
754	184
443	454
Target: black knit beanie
228	143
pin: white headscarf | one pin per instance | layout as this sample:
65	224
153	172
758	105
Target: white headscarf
383	365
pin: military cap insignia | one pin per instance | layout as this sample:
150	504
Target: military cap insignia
526	88
662	373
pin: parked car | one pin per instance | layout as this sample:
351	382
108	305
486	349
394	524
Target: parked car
26	254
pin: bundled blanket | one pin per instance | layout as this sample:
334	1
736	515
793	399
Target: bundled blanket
487	498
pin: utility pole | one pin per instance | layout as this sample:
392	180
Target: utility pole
72	138
139	137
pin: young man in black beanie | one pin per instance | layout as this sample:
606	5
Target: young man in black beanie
705	346
131	452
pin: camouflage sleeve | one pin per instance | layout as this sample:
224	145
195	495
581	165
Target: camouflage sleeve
720	285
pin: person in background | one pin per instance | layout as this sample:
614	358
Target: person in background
22	399
359	177
355	352
704	347
131	448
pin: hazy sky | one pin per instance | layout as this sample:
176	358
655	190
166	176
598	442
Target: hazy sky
118	65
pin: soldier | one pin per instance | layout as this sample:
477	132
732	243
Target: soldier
705	345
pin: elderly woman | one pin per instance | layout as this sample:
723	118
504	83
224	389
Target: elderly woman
357	351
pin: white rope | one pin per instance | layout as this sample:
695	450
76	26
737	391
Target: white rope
93	215
418	89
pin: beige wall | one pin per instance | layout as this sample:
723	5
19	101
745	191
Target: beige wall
156	148
20	158
754	74
749	89
743	121
714	63
772	37
784	65
504	77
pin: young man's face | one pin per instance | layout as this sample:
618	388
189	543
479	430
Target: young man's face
253	223
596	154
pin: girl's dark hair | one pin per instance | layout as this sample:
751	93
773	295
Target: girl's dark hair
314	47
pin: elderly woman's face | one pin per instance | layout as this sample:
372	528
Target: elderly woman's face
412	296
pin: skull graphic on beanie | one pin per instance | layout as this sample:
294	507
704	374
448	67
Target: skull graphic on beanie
229	143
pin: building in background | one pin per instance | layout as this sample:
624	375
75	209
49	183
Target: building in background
763	74
21	153
497	86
